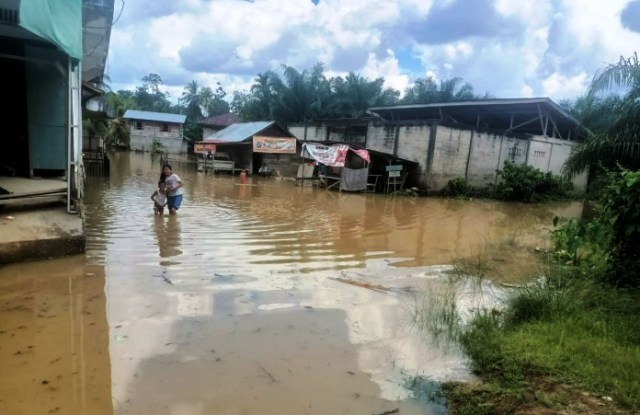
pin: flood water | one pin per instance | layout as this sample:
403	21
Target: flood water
260	299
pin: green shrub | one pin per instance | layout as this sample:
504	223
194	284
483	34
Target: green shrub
581	243
457	187
620	202
526	183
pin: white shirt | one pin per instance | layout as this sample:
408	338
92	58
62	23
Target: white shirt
171	182
160	199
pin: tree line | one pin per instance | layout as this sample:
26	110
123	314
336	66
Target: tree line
611	118
290	97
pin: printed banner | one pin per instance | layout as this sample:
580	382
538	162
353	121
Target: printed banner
333	156
204	148
274	145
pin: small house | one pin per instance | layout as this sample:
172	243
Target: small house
258	147
156	131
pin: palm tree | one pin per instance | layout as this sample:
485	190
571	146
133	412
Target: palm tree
618	141
355	94
118	132
191	99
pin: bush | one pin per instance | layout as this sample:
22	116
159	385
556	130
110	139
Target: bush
528	184
620	202
457	187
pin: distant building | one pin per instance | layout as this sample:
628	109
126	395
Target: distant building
212	125
156	131
256	145
470	140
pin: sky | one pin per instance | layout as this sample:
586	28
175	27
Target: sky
507	48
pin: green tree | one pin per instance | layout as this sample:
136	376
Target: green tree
191	100
427	90
94	124
150	97
620	210
616	140
118	132
118	103
214	102
355	94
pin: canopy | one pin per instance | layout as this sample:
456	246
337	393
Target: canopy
58	21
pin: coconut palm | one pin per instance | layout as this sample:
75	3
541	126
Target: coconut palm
191	99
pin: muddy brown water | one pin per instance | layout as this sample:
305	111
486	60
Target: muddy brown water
242	303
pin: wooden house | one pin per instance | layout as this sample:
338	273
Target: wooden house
258	147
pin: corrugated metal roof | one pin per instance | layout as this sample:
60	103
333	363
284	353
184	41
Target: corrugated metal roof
511	114
239	132
155	116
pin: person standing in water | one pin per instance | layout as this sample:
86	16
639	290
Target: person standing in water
244	178
174	192
159	198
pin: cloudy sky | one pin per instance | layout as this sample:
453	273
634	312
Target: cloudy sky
509	48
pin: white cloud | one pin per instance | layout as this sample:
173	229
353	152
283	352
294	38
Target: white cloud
388	69
561	86
530	48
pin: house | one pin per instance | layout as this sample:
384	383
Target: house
258	145
156	131
471	139
52	60
212	125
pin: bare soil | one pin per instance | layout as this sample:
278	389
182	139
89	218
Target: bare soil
543	396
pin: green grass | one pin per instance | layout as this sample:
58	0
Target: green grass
574	331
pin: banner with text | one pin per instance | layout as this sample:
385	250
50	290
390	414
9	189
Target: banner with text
274	145
332	156
203	148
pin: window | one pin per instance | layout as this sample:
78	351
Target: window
139	125
164	128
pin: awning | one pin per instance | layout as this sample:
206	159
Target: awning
58	21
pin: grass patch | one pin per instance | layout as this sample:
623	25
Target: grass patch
573	331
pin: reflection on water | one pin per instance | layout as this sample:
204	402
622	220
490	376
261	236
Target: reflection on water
54	339
239	305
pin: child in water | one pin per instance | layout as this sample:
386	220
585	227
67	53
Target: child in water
244	179
159	198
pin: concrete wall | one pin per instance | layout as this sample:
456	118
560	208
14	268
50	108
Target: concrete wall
444	153
314	132
413	143
381	138
171	140
549	154
450	156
